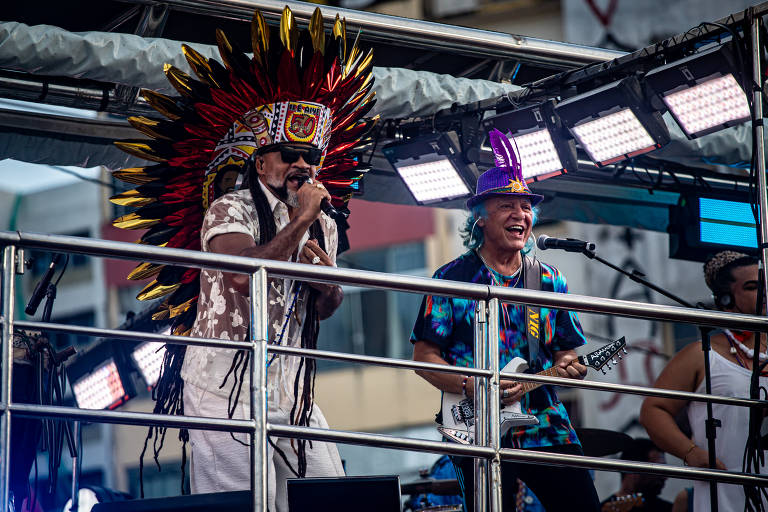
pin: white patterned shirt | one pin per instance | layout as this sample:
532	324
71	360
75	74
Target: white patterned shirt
224	313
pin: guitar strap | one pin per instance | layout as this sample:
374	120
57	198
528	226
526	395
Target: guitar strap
532	281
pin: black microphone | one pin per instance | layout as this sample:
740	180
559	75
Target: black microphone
567	244
325	204
42	287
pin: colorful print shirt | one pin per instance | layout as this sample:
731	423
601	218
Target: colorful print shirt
449	323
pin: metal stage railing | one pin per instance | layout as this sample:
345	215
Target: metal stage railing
487	451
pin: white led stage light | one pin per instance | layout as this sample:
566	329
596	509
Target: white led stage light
612	122
432	168
149	359
101	389
702	91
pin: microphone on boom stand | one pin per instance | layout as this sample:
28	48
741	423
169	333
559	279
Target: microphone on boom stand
566	244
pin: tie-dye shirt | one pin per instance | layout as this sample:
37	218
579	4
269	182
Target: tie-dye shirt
449	323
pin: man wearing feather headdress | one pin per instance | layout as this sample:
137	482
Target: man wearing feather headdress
286	121
498	236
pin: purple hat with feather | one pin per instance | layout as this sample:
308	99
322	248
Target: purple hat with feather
506	179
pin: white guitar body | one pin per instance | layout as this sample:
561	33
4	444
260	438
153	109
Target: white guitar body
459	412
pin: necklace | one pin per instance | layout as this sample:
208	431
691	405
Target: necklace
750	353
496	281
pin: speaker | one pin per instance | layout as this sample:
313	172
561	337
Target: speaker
233	501
349	494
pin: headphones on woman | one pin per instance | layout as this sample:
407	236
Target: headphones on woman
725	300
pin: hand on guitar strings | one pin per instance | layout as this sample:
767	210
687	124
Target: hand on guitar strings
509	390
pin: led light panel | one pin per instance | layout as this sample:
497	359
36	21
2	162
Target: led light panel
433	181
101	389
726	223
538	155
149	358
712	103
614	137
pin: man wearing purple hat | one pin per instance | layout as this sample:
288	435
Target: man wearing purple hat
498	237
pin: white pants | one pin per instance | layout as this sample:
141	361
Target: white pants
219	463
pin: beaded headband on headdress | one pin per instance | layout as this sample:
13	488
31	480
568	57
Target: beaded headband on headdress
716	263
300	86
504	179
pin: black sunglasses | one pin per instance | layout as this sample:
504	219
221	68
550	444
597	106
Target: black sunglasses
291	154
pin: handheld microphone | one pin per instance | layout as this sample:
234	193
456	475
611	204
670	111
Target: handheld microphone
545	242
42	287
325	205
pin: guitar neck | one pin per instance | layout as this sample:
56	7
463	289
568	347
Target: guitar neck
530	386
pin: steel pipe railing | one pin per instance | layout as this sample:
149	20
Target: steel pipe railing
257	425
407	31
635	390
6	368
394	282
557	459
387	362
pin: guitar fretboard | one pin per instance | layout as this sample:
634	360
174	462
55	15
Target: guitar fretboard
530	386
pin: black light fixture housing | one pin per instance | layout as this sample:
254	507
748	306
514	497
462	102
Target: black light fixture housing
613	122
545	148
433	167
703	92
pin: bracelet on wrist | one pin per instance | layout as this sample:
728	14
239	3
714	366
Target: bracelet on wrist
685	457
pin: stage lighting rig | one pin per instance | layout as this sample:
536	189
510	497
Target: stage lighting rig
100	378
538	134
432	167
612	123
702	92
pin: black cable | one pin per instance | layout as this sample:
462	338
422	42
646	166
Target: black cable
83	178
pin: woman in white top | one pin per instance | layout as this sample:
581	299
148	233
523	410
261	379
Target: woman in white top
733	279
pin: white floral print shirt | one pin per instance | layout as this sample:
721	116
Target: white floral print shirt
224	313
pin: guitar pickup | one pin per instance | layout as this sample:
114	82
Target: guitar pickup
458	436
464	412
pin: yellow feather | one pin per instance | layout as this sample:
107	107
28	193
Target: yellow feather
317	31
289	32
160	315
140	150
162	103
259	36
147	126
178	79
181	308
135	175
225	47
155	290
131	198
144	270
200	65
133	221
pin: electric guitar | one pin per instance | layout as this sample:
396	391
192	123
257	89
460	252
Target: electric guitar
623	503
459	411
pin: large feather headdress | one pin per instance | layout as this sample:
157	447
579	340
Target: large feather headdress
506	179
300	85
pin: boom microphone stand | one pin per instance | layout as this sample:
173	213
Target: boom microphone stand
711	423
